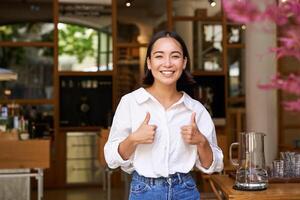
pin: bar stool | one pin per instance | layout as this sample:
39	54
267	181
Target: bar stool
102	139
107	172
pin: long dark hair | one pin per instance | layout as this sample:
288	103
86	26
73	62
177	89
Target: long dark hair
186	81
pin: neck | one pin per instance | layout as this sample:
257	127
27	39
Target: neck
166	95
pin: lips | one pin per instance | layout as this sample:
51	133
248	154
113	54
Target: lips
167	72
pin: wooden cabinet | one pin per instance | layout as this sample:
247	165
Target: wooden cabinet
288	121
32	154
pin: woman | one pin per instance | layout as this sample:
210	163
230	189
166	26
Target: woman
159	133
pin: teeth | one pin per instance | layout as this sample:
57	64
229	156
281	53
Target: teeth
167	72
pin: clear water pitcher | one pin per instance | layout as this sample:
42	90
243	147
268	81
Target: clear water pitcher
251	172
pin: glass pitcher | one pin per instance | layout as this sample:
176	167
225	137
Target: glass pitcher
251	172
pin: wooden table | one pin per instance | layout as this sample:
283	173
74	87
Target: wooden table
27	154
275	191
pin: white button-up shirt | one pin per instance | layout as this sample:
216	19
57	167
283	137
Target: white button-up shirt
168	153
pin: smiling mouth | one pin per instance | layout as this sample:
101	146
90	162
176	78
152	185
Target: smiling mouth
167	73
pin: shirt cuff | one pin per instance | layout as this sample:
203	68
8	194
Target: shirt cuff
115	158
216	165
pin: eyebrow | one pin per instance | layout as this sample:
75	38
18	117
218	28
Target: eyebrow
163	52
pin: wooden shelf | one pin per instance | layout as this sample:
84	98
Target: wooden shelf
81	128
292	126
131	45
235	46
15	154
284	147
26	44
27	101
73	73
196	18
208	73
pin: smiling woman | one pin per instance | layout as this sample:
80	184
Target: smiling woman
159	133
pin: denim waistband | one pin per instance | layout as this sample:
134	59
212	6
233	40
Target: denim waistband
171	179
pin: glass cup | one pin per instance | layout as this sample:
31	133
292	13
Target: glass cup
278	168
297	165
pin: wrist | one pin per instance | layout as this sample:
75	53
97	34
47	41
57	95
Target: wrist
203	143
132	140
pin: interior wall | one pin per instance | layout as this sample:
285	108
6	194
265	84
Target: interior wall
261	105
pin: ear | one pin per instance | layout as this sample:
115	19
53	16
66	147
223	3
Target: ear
148	63
184	62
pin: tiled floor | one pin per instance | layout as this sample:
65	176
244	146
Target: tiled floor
92	194
80	194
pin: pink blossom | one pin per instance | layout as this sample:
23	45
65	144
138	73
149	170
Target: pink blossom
242	11
292	105
276	14
290	84
286	15
289	43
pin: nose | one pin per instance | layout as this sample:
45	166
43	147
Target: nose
168	62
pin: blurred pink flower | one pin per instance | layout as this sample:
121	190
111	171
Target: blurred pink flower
290	84
292	105
286	15
242	11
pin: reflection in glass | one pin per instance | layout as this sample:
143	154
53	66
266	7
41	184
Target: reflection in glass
184	8
84	49
139	21
236	33
37	120
208	51
236	60
15	13
29	32
34	67
210	93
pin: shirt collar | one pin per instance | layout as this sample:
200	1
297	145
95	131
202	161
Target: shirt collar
141	96
188	101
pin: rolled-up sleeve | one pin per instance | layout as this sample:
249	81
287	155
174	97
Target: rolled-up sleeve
120	129
206	126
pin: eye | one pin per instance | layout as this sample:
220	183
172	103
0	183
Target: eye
158	56
176	56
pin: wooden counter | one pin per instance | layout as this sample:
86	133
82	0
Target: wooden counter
16	154
275	191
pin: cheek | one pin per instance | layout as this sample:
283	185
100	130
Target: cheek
155	64
180	66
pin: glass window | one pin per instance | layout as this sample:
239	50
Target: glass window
37	120
236	78
236	33
84	49
208	49
28	32
34	69
26	20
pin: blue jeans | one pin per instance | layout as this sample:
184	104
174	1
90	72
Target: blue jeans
178	186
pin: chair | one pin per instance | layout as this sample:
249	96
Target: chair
102	139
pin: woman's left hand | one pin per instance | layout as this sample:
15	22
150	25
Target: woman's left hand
191	134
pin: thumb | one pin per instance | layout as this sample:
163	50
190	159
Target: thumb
193	118
147	118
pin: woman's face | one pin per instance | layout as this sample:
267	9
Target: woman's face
166	61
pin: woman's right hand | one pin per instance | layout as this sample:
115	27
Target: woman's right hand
145	133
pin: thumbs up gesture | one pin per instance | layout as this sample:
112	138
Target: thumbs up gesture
191	134
145	133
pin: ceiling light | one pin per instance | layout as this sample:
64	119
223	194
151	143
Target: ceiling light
212	3
128	3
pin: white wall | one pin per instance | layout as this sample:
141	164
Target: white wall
261	106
